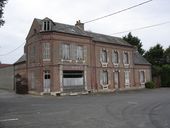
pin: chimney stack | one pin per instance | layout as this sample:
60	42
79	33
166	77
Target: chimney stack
79	25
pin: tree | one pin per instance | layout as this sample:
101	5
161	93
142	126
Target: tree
2	5
155	55
167	55
134	41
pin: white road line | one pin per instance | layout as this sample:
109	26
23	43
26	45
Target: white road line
5	120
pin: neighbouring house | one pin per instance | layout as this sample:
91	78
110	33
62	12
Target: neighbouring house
6	76
61	58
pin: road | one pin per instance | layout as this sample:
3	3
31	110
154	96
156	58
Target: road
129	109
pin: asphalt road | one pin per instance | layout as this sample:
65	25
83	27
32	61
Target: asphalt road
130	109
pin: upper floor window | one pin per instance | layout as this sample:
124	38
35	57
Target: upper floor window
115	57
46	51
126	58
103	56
65	51
79	52
46	25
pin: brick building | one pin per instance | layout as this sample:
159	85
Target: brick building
62	58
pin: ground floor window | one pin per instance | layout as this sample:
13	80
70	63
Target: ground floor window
127	77
142	77
116	79
104	77
32	80
73	80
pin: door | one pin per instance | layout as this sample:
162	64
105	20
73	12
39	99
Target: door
116	79
47	81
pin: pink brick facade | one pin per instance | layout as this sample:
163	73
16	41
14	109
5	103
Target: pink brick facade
82	75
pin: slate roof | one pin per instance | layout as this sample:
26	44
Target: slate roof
70	29
139	59
21	59
107	39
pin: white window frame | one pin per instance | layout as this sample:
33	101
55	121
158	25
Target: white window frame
142	80
104	56
46	25
66	51
104	77
46	51
127	78
115	56
79	52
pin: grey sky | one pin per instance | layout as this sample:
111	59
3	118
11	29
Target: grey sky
19	15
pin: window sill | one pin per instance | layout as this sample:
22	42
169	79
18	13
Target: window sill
46	59
65	60
104	64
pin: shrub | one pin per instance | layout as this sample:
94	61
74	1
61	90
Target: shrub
150	84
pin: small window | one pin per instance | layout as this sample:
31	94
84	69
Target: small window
126	58
46	51
104	56
65	51
115	57
79	52
46	25
47	74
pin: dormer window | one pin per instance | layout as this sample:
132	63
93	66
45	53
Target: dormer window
46	25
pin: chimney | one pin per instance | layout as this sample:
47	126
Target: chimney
79	25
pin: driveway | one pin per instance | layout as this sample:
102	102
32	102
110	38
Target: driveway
130	109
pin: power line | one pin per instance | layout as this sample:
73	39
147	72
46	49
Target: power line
145	27
12	50
118	11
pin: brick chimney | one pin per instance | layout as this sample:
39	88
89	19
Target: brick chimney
79	25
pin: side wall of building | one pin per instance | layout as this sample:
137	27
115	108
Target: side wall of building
7	78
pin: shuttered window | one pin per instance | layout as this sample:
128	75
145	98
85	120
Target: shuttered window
142	76
104	77
126	58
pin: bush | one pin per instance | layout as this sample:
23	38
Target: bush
150	84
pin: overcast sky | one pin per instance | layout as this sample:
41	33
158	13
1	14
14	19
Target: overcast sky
19	15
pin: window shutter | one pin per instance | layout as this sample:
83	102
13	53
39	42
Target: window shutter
72	51
107	55
60	51
101	77
100	56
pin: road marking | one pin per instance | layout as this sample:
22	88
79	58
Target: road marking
5	120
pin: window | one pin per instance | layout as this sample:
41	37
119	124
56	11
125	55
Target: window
104	56
126	58
104	78
46	51
65	51
79	53
127	81
32	80
142	77
46	25
115	57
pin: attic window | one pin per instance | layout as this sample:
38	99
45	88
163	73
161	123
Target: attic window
46	25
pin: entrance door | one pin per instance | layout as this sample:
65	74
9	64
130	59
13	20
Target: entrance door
46	81
116	79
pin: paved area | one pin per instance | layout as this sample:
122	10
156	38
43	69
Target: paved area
130	109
